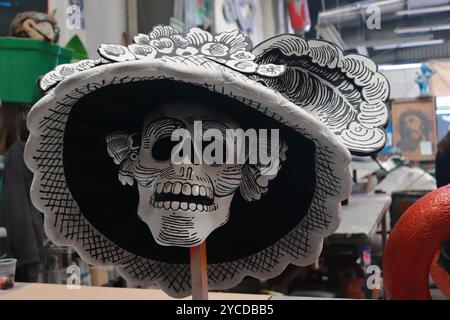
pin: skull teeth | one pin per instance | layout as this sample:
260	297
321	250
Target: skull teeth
184	189
183	196
176	188
175	205
185	206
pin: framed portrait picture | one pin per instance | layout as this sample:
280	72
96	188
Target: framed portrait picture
414	124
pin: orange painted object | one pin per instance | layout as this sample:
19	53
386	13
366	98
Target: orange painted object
199	272
413	243
440	276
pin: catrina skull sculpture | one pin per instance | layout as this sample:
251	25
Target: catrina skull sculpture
110	184
182	203
35	25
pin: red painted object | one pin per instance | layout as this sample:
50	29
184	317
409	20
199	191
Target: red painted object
412	245
440	276
299	13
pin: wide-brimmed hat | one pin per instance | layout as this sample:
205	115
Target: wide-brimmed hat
327	106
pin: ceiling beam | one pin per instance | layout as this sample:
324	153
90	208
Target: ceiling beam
410	44
397	41
421	29
411	12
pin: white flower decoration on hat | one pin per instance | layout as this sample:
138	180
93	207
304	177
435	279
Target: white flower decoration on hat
232	49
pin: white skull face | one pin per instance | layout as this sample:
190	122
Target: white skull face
183	203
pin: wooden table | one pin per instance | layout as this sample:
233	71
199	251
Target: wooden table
41	291
362	218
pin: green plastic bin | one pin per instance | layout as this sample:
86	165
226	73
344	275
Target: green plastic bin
22	62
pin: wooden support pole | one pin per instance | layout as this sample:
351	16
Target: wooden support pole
199	272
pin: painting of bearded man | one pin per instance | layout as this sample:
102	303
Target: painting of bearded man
415	128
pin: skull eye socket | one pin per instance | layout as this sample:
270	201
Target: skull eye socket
162	149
